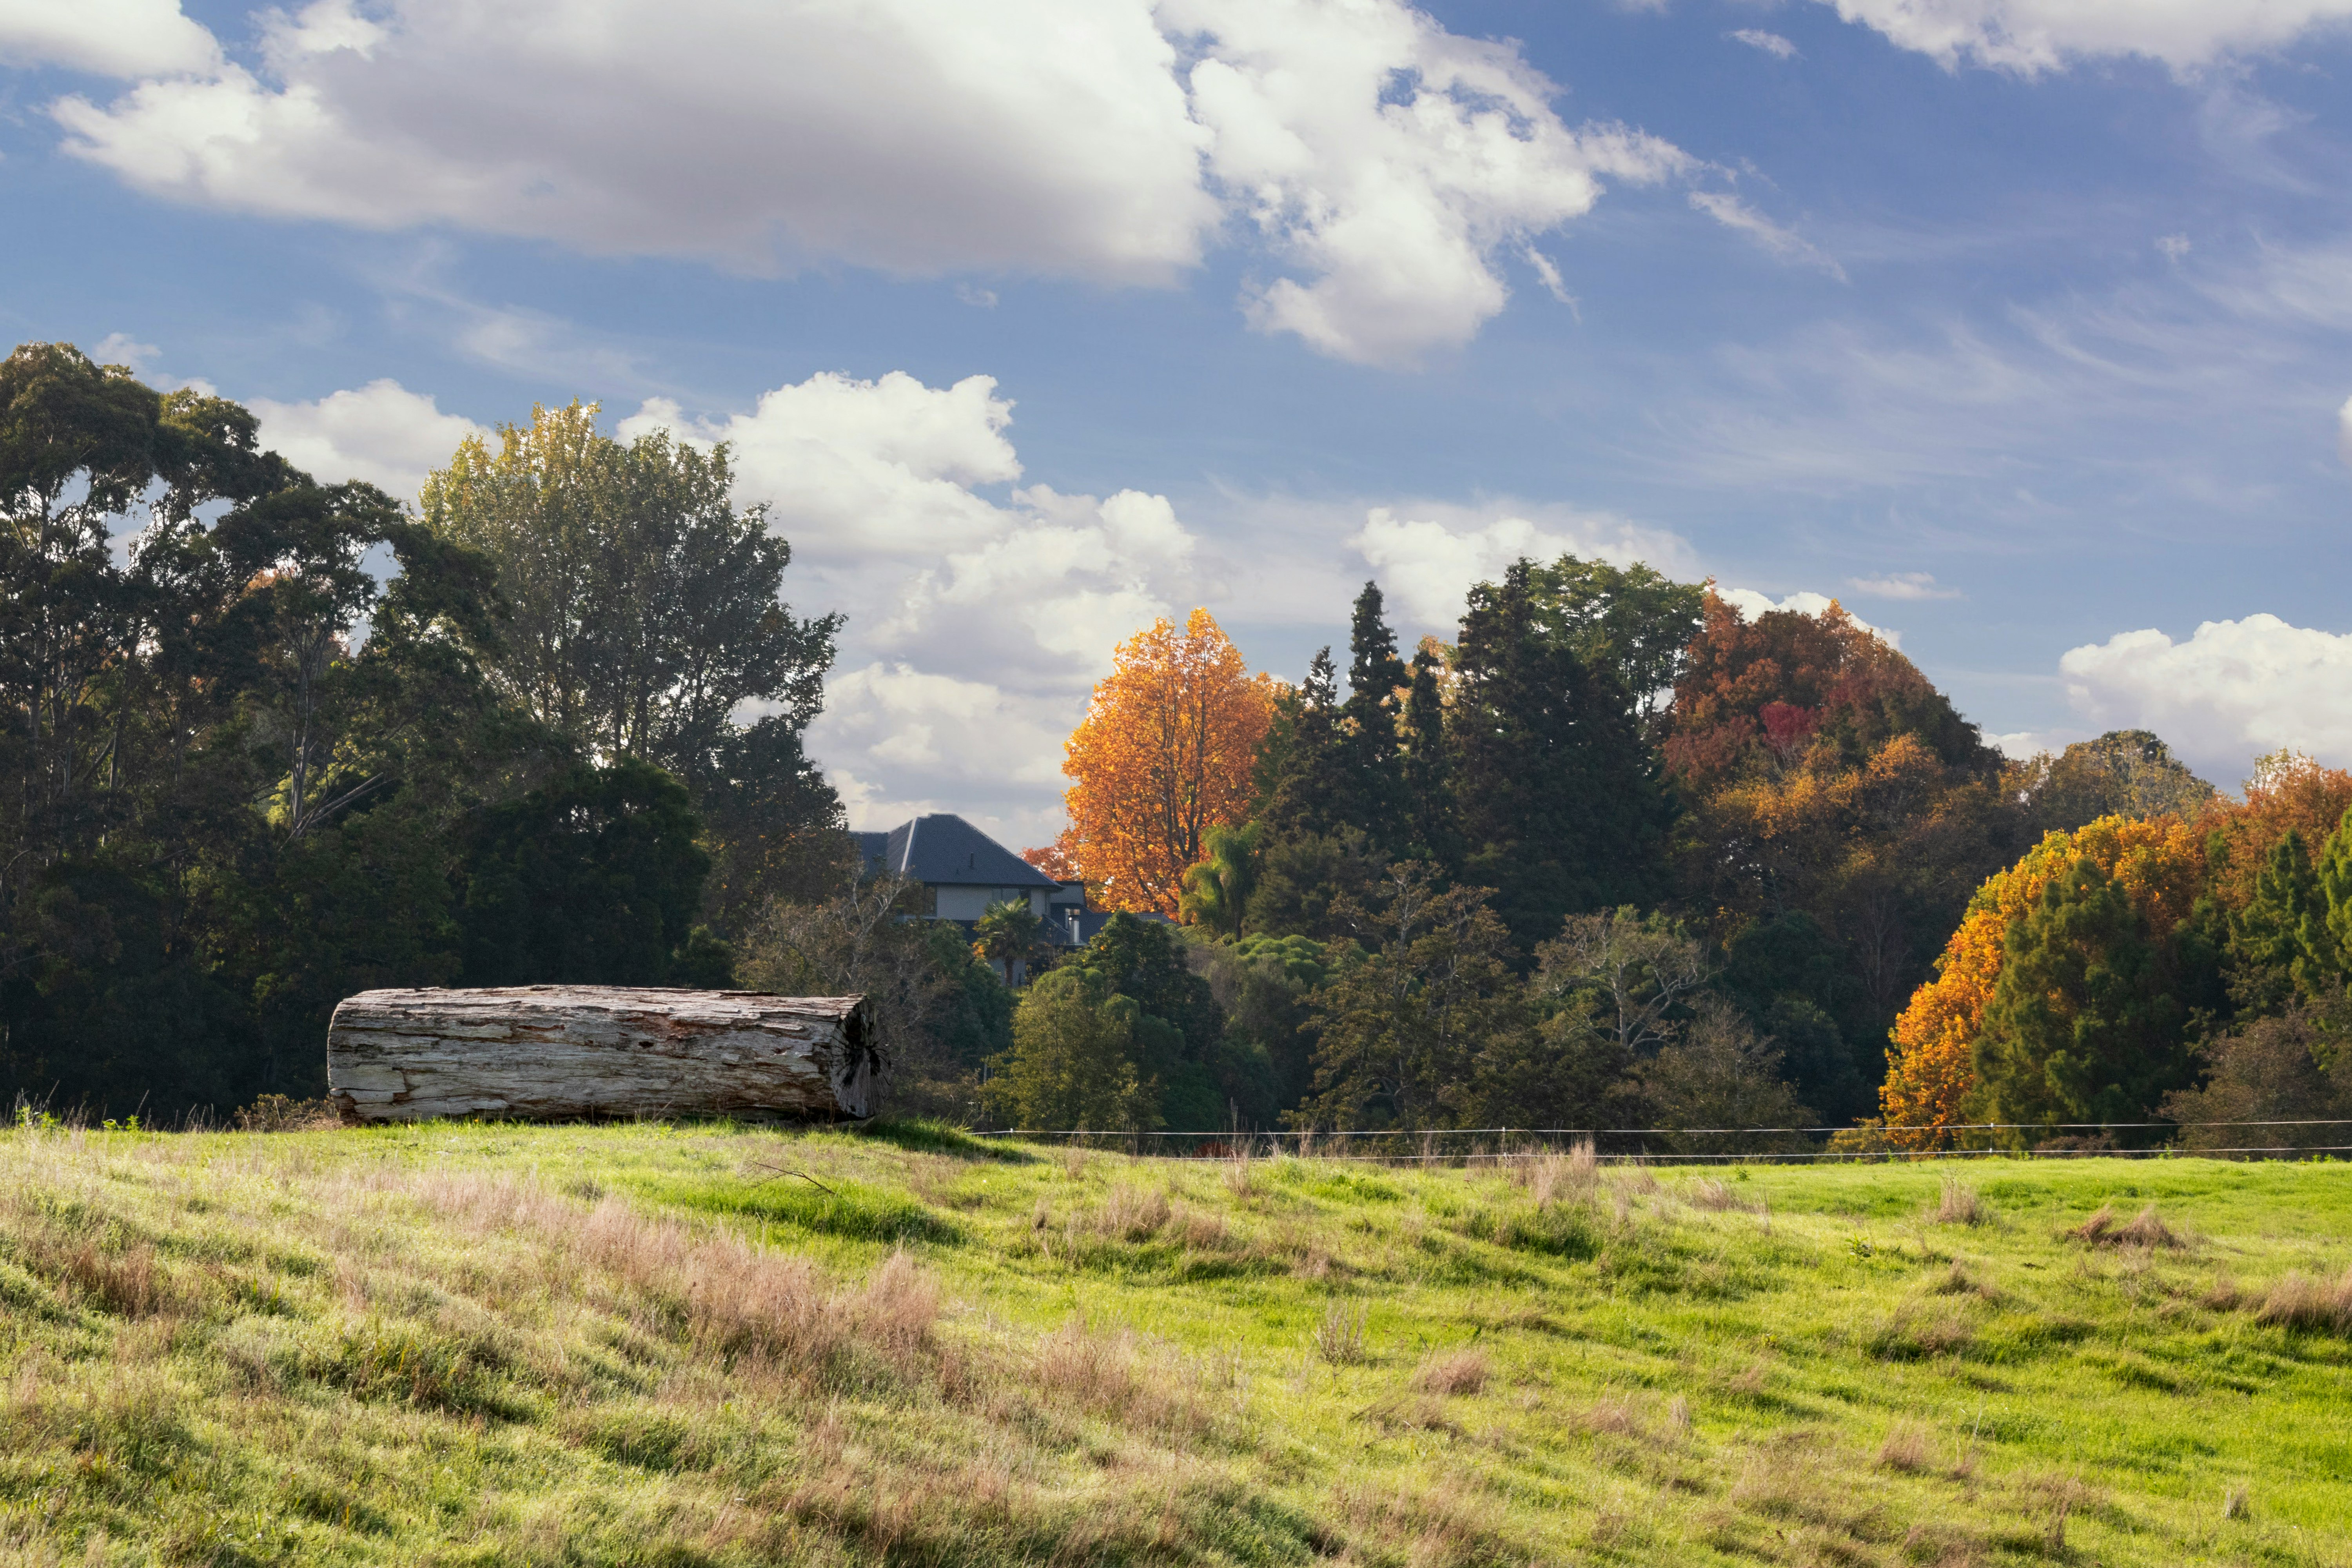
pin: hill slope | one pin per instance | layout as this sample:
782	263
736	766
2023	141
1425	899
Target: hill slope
684	1345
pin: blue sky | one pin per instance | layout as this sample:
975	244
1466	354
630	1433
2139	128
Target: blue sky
2020	326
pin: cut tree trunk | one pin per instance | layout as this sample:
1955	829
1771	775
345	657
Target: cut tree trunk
558	1052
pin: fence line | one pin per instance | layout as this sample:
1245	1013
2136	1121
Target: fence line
1652	1132
1402	1146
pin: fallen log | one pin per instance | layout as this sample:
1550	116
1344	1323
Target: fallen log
560	1052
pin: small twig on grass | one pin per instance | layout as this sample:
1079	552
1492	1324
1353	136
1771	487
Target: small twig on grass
804	1175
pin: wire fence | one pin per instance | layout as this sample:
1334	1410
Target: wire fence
1737	1145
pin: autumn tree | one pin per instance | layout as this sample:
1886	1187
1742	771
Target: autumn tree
1163	755
2158	866
2084	1024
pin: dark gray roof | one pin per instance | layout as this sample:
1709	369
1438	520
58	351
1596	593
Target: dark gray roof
943	849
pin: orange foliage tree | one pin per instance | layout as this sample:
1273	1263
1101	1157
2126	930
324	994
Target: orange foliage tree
2160	862
1162	756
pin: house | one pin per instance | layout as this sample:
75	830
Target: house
963	871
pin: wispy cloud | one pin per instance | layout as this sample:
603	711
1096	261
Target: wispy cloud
1902	585
1772	43
1732	212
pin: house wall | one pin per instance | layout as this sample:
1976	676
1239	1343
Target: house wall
962	903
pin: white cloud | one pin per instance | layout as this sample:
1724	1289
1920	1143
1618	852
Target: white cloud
2233	690
109	38
1734	214
1772	43
1383	163
1425	563
1751	603
122	349
1902	585
976	626
2030	35
381	433
2024	745
908	135
1391	161
2172	246
2344	429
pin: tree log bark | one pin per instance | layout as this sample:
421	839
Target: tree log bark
557	1052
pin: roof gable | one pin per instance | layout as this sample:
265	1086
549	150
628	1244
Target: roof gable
943	849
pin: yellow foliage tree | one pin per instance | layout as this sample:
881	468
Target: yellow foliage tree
2160	864
1162	756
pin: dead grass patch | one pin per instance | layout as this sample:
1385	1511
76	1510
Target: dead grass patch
2298	1301
2146	1230
1958	1205
1904	1448
1461	1372
1340	1337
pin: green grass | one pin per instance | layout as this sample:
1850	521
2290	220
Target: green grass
462	1343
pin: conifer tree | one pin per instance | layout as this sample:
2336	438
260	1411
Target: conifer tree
1560	808
2280	945
1428	770
1372	775
2084	1026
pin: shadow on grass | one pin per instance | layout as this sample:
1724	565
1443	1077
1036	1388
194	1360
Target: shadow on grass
850	1209
927	1137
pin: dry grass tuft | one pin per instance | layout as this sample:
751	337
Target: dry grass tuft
1340	1337
2236	1504
1463	1371
2222	1294
1959	1204
1904	1448
281	1113
1133	1214
2146	1230
1715	1197
1551	1176
1241	1173
2299	1302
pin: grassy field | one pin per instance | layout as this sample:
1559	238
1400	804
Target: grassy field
705	1344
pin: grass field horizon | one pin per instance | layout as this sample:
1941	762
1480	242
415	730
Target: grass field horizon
706	1343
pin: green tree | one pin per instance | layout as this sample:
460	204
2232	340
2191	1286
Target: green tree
2279	943
1371	772
2123	772
647	612
1632	619
1073	1064
1428	766
1560	804
2083	1024
1217	890
1398	1029
1005	932
592	878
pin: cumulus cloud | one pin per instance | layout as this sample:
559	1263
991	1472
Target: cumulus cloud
381	433
1382	164
2235	689
107	37
1392	162
1427	560
2031	36
1902	585
1772	43
977	622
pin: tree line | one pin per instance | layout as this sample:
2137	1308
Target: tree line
264	741
1617	855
